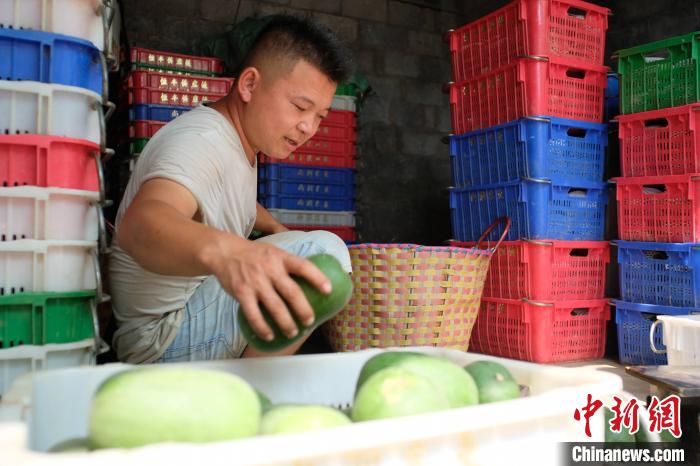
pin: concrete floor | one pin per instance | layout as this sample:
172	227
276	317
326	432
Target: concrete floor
637	387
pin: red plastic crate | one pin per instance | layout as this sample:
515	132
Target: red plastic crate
322	146
144	128
529	87
660	142
48	161
541	332
663	209
337	132
345	233
340	118
178	61
546	270
169	82
147	95
550	28
317	160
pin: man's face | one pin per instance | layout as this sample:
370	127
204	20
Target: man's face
285	112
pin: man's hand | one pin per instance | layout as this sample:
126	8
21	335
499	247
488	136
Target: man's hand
261	272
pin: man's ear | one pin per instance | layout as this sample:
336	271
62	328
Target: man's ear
247	82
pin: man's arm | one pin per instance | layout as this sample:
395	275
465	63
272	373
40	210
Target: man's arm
159	232
266	223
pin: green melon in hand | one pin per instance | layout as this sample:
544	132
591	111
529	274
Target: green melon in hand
325	306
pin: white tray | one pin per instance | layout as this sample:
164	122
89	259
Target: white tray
31	358
29	212
52	109
344	102
78	18
36	266
681	335
492	434
314	217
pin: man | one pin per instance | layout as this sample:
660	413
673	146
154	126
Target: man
181	267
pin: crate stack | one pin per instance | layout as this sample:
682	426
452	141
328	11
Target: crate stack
658	195
53	94
161	86
314	189
527	107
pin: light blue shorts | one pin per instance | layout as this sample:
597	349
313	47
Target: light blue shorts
209	329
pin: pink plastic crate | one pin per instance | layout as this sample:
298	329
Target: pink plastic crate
48	161
541	332
660	142
528	87
551	28
546	270
170	82
664	209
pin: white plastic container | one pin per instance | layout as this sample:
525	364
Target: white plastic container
492	434
344	102
36	266
79	18
35	108
32	358
314	217
29	212
681	335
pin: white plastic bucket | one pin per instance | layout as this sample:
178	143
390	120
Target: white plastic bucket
37	266
52	109
681	335
29	212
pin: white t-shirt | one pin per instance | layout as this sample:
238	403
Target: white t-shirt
200	150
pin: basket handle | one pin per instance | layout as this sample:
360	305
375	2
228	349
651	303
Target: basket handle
656	350
490	228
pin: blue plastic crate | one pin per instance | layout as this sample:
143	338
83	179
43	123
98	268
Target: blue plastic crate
563	151
611	106
49	58
633	326
538	209
156	112
305	203
667	274
304	173
294	188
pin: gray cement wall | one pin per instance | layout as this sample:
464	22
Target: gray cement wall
403	168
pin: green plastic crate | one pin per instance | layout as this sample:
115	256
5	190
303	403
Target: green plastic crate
136	145
660	75
347	89
41	318
164	69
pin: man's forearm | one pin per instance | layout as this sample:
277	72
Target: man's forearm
266	223
162	241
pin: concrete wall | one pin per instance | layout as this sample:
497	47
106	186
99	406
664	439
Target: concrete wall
403	168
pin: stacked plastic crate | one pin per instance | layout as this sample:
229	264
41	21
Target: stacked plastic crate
162	85
314	189
52	91
527	106
658	194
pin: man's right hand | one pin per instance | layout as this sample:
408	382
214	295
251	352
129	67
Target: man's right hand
260	273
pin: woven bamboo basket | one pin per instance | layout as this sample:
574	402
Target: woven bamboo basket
411	295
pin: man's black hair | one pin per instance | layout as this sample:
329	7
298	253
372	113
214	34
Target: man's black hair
289	38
